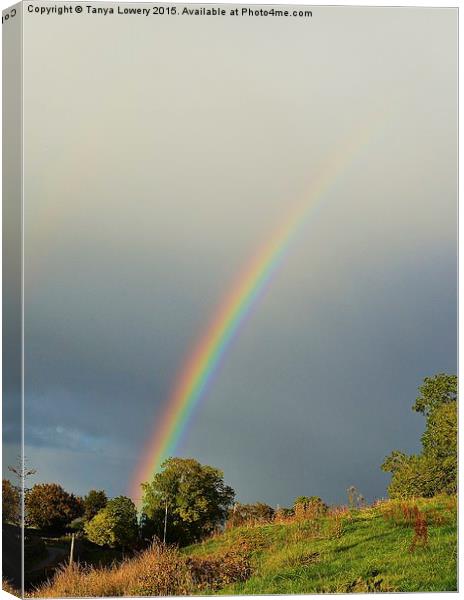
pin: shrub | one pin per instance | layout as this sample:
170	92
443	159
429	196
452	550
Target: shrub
249	513
309	508
420	530
162	571
216	572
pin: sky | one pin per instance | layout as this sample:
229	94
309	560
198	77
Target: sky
159	155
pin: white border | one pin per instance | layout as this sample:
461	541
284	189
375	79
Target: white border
404	3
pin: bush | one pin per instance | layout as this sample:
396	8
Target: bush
311	507
249	513
8	587
214	573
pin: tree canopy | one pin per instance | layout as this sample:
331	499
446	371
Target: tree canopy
94	501
49	506
115	524
192	498
434	469
11	503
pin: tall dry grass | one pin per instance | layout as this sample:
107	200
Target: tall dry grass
9	588
159	571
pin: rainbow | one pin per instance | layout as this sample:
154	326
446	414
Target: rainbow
204	359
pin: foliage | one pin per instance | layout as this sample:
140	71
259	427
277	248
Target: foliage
283	513
93	503
309	506
436	391
11	503
249	513
10	589
434	469
368	553
115	525
148	529
49	506
420	530
77	525
193	496
159	571
212	573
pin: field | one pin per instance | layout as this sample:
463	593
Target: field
390	546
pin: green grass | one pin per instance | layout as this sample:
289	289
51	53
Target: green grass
363	550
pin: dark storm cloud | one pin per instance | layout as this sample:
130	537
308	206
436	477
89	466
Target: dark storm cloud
145	201
324	403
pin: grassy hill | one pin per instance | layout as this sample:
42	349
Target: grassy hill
362	550
391	546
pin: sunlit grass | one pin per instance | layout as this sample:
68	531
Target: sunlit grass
346	550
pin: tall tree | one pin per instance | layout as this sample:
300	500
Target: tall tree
436	391
434	469
93	503
49	506
187	499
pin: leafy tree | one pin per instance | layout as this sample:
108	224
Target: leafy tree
93	503
11	503
49	506
436	391
434	470
187	498
115	525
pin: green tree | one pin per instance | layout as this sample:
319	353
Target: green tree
11	503
186	499
115	525
93	503
434	469
436	391
49	506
